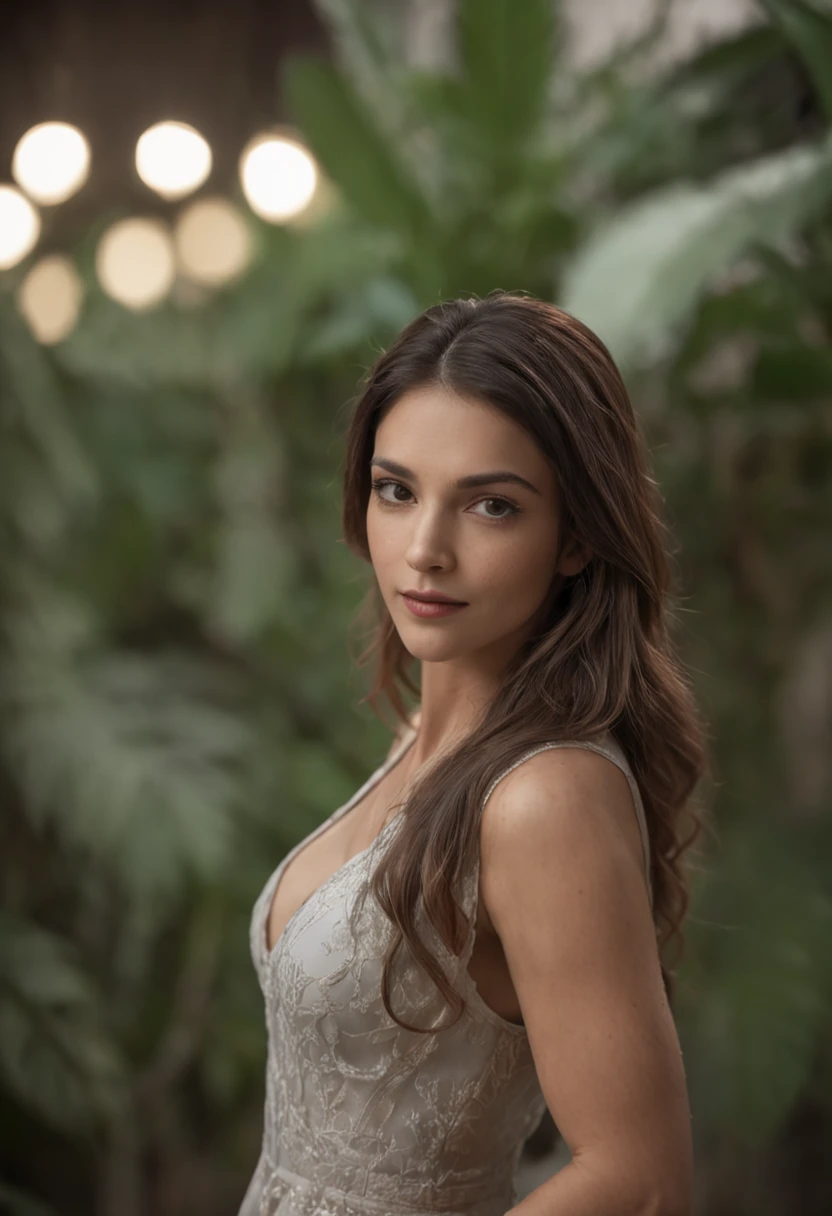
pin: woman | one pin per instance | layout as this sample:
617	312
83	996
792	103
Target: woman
474	935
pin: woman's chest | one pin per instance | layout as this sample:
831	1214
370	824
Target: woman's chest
326	852
332	849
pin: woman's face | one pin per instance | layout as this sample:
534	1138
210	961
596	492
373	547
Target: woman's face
492	545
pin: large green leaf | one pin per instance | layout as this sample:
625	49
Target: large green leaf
347	140
637	278
506	53
134	757
809	29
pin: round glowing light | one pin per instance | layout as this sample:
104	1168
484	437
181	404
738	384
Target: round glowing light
135	262
278	176
51	162
213	243
50	298
173	159
19	227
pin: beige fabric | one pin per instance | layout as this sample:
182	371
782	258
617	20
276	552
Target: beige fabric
362	1116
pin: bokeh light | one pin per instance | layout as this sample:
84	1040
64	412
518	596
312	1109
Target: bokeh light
278	176
19	227
50	298
173	159
135	262
51	162
213	242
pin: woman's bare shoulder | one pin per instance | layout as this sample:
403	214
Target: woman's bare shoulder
570	799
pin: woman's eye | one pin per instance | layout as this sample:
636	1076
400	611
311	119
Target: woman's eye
378	485
501	502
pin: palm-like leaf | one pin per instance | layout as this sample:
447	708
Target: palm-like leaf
637	279
33	404
134	758
506	54
354	151
55	1054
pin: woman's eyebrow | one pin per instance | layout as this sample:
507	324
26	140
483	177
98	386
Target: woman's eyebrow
464	483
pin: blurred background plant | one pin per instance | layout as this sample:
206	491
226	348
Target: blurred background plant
177	701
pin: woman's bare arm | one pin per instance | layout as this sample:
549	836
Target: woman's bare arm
563	882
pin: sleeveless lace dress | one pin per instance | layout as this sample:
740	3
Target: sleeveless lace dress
361	1116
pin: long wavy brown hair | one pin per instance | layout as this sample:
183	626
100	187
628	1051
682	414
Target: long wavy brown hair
601	657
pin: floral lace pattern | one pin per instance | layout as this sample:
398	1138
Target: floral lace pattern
362	1116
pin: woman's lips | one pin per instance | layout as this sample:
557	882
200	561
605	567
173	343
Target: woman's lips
431	608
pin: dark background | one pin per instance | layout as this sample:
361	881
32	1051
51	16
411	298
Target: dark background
114	69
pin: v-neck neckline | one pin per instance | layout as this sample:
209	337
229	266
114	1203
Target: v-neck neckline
274	882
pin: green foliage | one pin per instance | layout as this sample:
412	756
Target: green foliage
138	773
506	52
463	174
809	29
662	252
55	1054
353	149
758	992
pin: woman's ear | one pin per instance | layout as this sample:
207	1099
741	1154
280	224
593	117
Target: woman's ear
573	558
